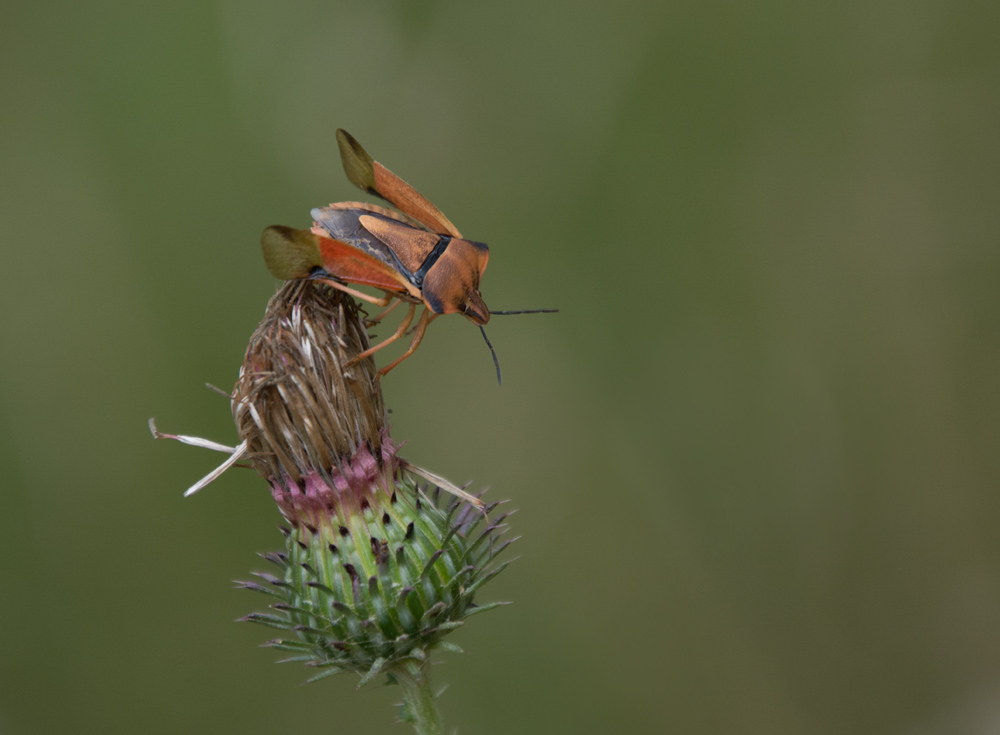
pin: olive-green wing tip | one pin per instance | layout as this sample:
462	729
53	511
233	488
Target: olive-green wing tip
289	253
358	165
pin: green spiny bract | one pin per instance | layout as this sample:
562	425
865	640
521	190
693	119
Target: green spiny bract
364	592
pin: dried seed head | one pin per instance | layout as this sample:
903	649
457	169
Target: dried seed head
300	403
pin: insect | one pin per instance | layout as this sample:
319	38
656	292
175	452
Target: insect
413	254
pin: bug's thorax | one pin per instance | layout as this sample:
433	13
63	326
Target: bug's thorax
451	284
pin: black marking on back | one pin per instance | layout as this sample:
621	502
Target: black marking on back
430	260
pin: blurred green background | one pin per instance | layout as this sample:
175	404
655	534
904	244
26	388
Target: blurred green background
755	455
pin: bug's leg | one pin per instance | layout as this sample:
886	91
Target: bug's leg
376	319
426	318
396	335
384	301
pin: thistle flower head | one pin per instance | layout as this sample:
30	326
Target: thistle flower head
376	569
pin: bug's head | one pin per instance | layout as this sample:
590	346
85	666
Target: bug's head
474	308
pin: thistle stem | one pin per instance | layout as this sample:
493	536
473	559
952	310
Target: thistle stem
421	709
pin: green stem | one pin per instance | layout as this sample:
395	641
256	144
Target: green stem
421	710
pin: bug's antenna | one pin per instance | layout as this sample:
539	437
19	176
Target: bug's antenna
494	352
525	311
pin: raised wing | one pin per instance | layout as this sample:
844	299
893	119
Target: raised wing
371	176
291	253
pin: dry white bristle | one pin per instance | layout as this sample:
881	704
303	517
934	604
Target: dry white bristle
235	454
238	453
194	441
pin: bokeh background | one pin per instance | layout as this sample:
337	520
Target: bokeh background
755	455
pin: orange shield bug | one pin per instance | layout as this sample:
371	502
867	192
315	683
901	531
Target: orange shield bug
414	254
